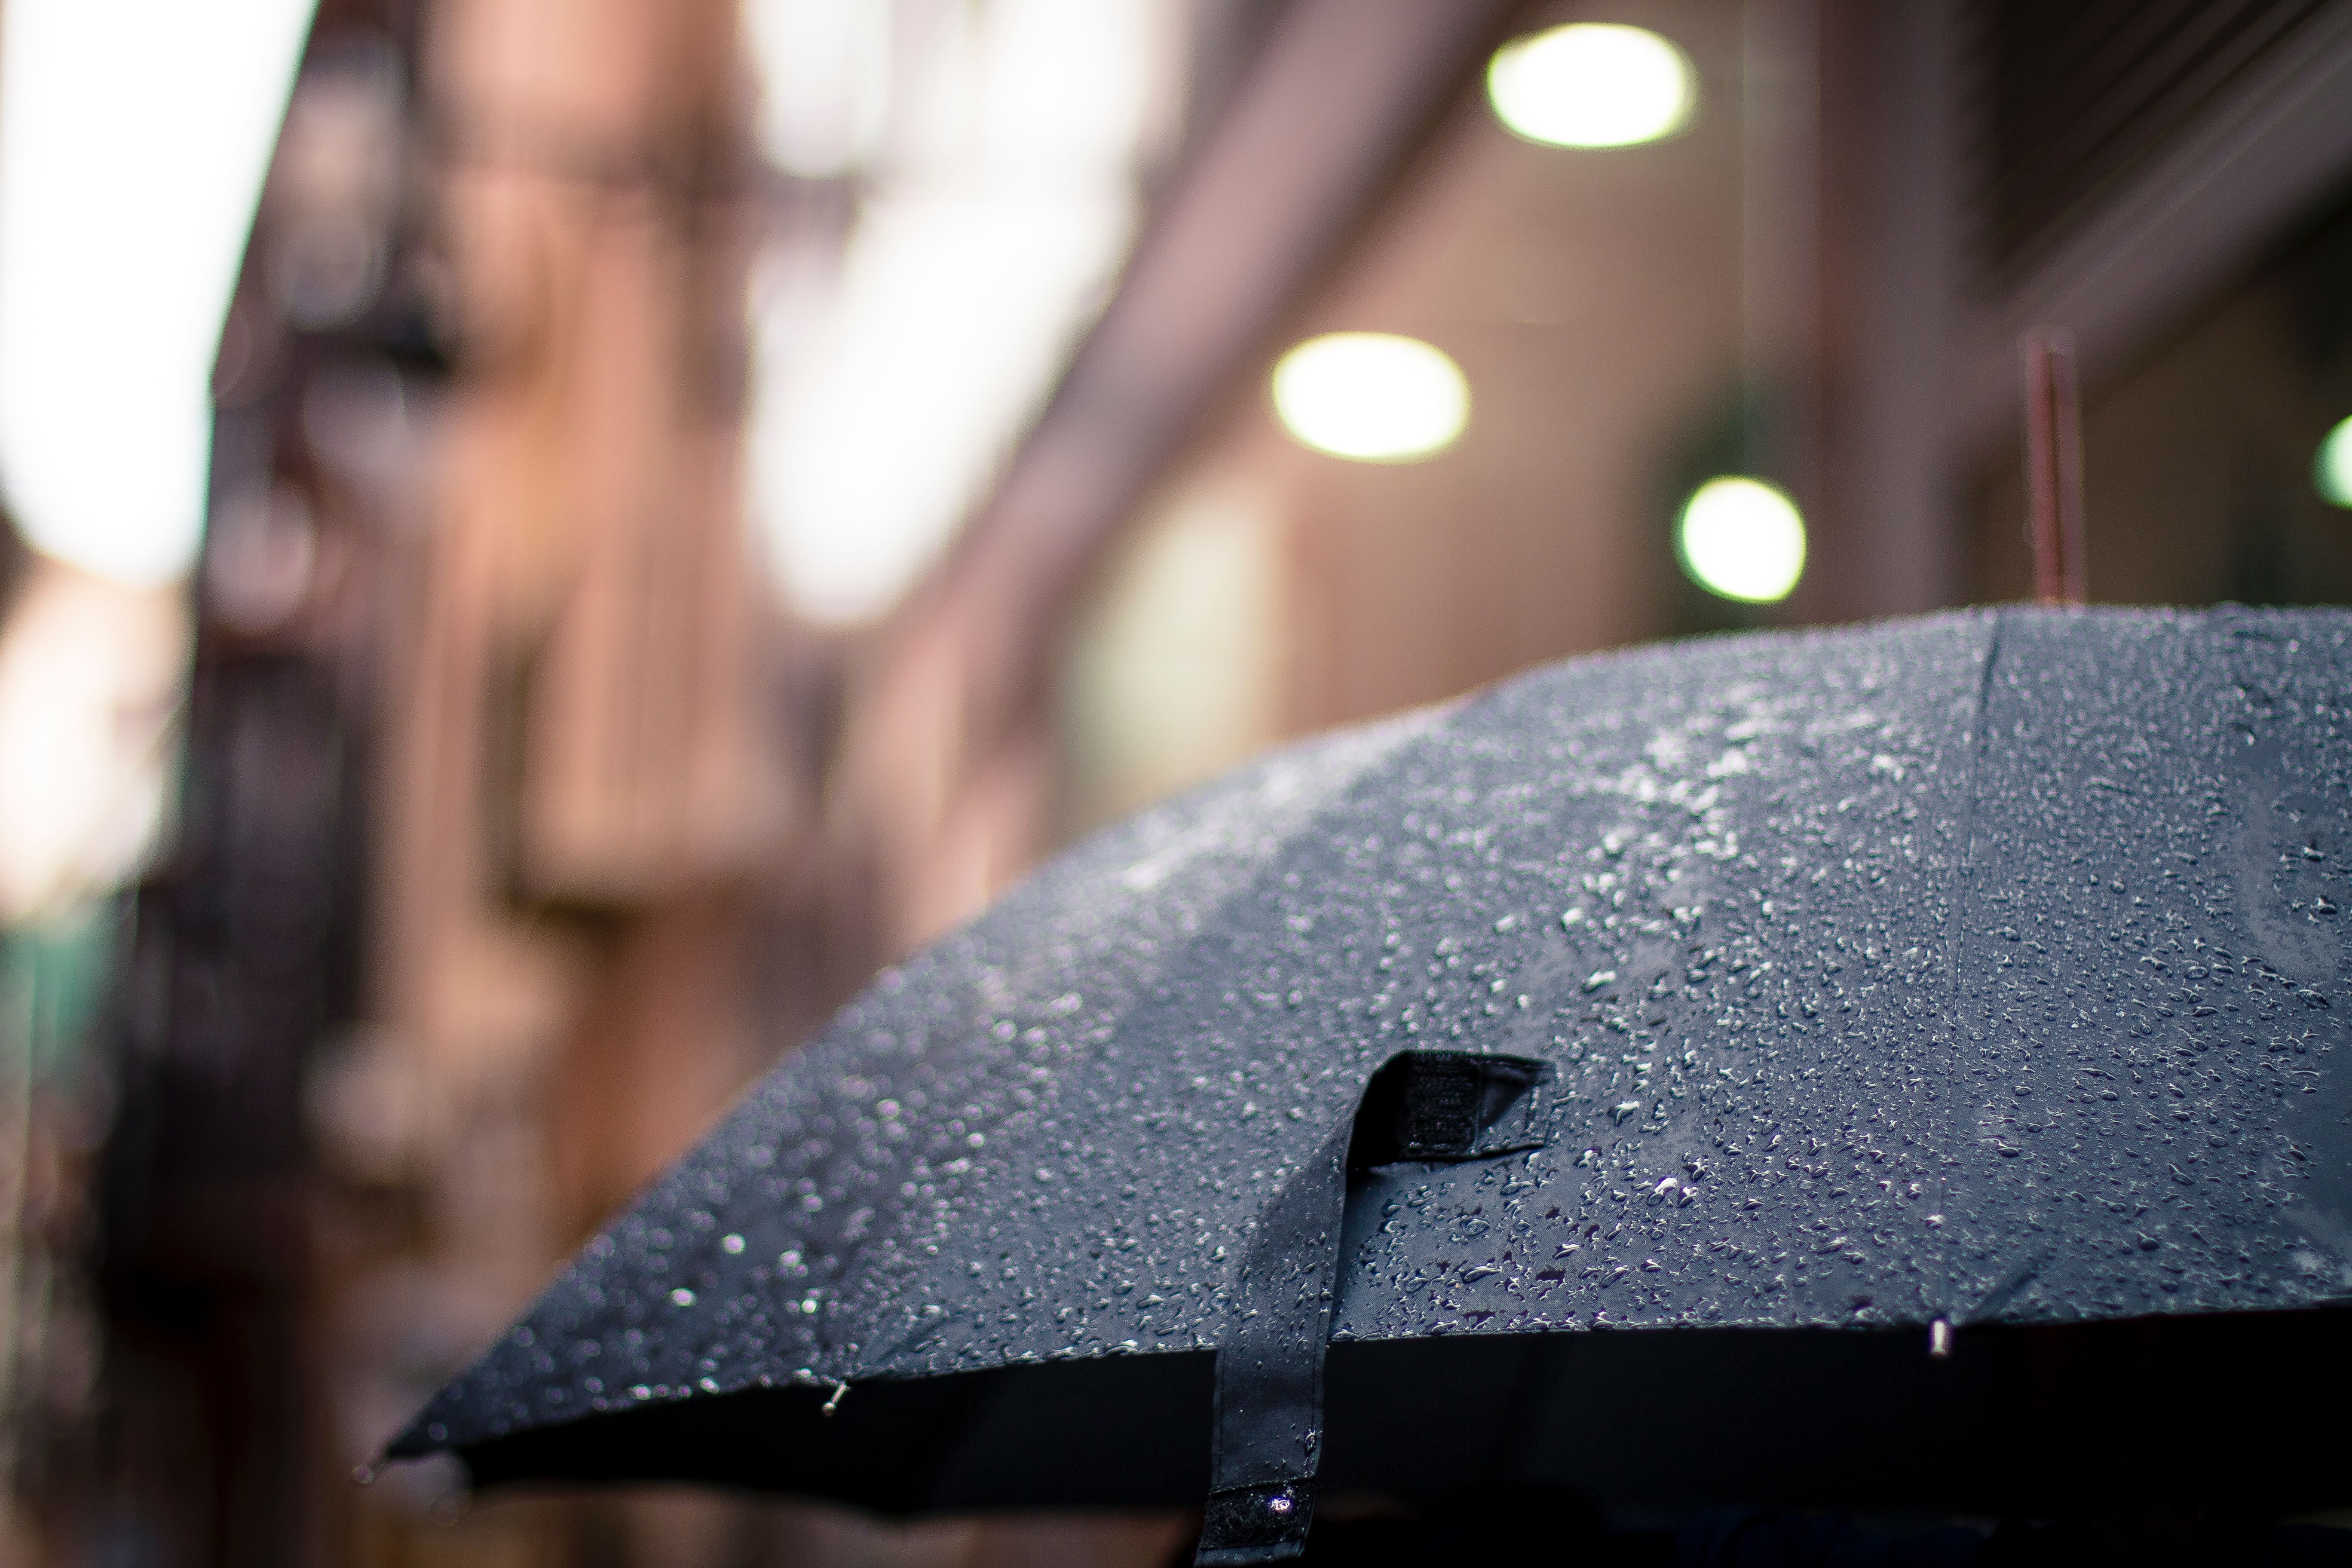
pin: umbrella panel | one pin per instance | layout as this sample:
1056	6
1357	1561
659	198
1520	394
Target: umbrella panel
1985	969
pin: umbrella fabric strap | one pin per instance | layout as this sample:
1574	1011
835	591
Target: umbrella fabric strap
1439	1107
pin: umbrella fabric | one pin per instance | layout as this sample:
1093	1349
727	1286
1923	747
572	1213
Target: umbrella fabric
1986	968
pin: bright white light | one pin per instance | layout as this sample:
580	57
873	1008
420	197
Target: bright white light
134	136
1371	396
1591	84
2331	470
892	382
885	420
1741	539
88	674
824	67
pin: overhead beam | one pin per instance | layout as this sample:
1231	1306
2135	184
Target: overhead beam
1343	94
2254	166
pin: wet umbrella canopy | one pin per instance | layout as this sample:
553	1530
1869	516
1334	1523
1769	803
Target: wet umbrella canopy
1744	995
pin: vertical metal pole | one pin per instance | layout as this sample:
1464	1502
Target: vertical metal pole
2054	464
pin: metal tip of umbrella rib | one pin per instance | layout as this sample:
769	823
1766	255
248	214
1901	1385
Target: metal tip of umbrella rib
1351	1121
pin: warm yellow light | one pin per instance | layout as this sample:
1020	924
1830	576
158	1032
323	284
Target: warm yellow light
1591	84
2331	470
1741	539
1371	396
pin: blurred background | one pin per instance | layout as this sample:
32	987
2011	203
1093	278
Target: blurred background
547	540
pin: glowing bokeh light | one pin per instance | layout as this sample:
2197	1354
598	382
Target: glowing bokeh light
1374	397
1741	539
997	151
825	78
134	138
2331	469
1591	84
89	681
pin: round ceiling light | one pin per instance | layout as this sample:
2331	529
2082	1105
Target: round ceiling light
1741	539
1591	84
1374	397
2331	469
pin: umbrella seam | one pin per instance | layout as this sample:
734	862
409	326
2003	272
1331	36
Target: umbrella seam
1979	740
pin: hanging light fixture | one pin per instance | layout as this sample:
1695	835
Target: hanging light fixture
1374	397
1741	539
1591	84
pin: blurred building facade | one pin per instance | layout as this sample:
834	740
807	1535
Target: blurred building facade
543	778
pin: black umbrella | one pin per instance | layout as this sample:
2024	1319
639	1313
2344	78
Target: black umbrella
1800	1006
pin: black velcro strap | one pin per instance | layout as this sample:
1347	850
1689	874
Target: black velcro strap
1255	1524
1451	1105
1421	1105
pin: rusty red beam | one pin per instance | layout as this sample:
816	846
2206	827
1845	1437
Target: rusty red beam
2053	465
